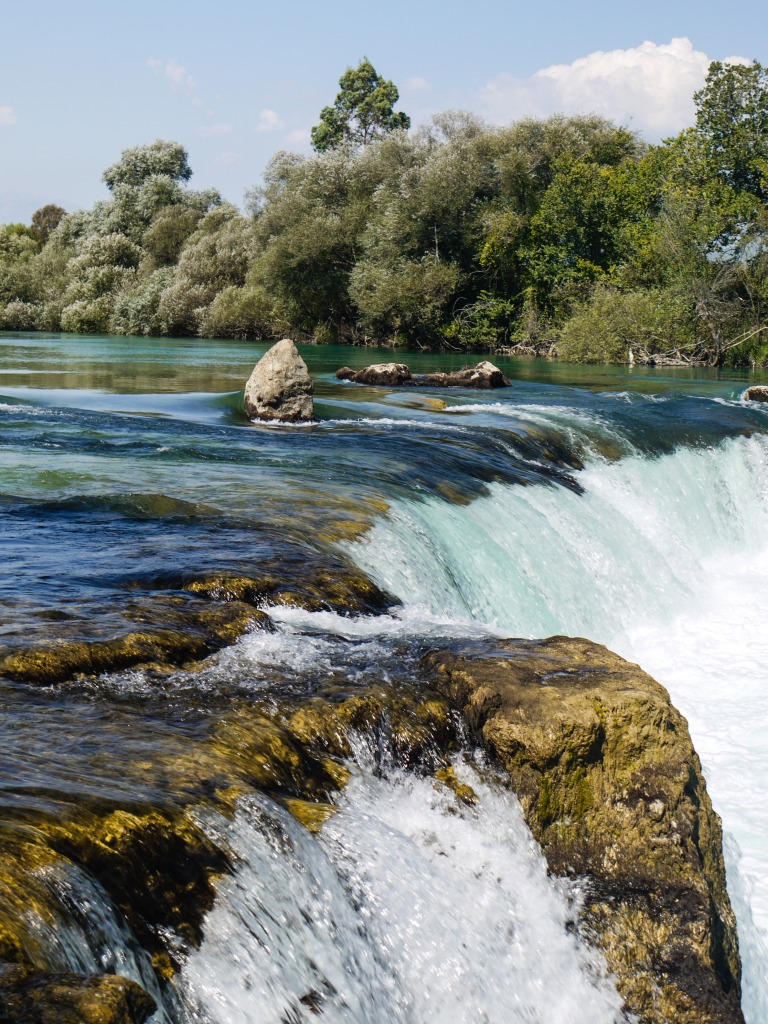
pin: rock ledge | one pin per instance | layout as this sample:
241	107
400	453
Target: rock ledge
612	788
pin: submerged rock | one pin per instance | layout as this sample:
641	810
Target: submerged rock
341	589
280	387
601	761
44	997
155	860
172	636
613	790
483	375
756	393
212	611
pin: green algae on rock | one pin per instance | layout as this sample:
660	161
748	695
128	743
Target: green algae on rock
612	788
172	636
28	996
153	857
601	761
346	591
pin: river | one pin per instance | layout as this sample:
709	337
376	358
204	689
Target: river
626	505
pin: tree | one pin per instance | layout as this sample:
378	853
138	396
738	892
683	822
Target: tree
363	110
732	118
139	163
45	220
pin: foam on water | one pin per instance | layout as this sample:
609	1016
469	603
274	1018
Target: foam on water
663	559
408	908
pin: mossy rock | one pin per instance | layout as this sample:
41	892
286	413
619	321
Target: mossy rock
414	725
158	867
173	637
613	790
154	860
28	996
336	588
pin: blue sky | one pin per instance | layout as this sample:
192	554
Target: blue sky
234	82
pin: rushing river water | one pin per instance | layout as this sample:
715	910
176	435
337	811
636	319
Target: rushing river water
627	506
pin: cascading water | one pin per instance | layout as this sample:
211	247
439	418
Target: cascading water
663	559
408	908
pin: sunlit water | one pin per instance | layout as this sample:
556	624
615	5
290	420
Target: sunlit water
407	908
630	508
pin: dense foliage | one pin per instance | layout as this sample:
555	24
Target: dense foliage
566	236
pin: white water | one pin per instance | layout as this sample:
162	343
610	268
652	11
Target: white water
665	560
408	908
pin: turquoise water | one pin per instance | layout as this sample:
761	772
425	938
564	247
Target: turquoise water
626	505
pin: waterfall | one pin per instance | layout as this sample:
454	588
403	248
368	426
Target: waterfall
662	558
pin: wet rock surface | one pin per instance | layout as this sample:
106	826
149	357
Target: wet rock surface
28	996
484	375
599	758
152	855
613	790
202	614
280	387
756	393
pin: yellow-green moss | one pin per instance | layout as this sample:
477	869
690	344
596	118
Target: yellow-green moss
612	788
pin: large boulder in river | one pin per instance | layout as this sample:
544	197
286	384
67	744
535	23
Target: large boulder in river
280	387
756	393
613	790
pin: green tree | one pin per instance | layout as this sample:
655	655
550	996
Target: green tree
363	110
649	326
135	165
170	229
732	118
46	220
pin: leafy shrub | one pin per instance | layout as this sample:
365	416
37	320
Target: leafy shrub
611	323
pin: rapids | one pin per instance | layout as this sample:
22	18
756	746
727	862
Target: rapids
627	506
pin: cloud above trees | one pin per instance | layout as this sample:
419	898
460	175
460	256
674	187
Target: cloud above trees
648	88
269	121
177	76
7	117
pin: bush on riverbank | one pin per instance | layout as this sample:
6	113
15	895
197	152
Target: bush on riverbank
563	236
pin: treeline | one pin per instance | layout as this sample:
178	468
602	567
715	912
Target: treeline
566	236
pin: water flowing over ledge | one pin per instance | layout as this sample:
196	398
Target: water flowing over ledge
633	512
664	560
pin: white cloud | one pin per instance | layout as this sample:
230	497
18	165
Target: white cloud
269	121
217	128
7	117
299	136
175	74
411	86
649	87
227	158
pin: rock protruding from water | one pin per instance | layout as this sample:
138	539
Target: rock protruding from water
280	387
379	374
43	997
756	393
484	375
613	790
